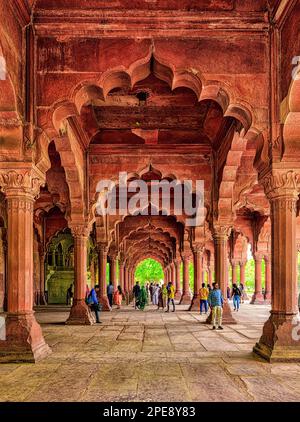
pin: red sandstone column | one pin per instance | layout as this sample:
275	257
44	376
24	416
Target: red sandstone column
178	293
24	339
173	273
243	278
234	271
80	313
126	285
92	270
220	236
198	254
268	280
42	299
121	274
258	297
280	339
102	251
186	293
210	274
113	272
243	273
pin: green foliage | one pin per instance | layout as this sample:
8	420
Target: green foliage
149	270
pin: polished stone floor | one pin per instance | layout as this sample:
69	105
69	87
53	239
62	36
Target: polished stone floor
151	356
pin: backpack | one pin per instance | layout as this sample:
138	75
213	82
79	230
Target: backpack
89	300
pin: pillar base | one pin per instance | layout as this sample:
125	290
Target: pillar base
280	341
257	299
245	296
80	314
195	305
185	299
227	318
178	295
268	298
105	304
24	340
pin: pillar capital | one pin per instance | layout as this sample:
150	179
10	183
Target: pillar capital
282	184
258	256
25	180
198	248
102	248
221	232
80	230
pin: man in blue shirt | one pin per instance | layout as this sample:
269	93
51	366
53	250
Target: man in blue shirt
93	298
215	300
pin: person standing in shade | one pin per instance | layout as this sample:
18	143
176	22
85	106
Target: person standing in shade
236	295
216	301
142	299
155	294
70	295
110	293
164	295
118	296
171	296
136	291
203	294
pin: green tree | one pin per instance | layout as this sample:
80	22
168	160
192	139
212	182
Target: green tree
149	270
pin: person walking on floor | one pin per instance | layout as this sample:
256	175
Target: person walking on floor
171	296
155	294
110	293
142	299
236	295
164	291
203	294
136	292
160	298
93	302
216	301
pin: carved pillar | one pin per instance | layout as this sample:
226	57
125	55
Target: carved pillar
36	273
258	297
268	284
198	256
121	274
234	265
80	313
186	292
280	340
126	284
178	292
24	339
42	298
243	273
92	270
102	255
220	236
211	273
243	278
113	271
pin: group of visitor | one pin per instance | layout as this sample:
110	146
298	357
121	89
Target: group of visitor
160	295
115	296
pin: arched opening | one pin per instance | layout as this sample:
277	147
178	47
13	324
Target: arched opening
149	271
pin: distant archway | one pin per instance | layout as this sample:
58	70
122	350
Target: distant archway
149	270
